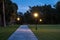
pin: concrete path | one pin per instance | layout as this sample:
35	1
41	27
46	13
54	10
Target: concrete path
23	33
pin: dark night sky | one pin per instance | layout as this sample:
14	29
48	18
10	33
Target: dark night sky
23	5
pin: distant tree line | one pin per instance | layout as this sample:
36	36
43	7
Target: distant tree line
47	13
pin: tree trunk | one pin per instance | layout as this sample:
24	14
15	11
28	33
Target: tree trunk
4	14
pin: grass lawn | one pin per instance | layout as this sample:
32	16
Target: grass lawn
46	32
5	32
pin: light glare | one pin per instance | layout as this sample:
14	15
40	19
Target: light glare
18	19
35	14
40	20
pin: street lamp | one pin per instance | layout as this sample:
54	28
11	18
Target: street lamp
18	19
40	20
36	16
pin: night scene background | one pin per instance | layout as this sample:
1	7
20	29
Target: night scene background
41	16
47	10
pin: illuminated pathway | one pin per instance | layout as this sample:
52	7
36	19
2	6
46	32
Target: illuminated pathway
23	33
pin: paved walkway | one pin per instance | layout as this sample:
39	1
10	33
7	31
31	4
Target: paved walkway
23	33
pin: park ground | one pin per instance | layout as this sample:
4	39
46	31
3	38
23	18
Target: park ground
44	32
5	32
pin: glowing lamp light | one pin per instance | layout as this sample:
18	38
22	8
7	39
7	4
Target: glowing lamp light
35	14
40	20
18	18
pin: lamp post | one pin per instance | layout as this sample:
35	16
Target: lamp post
18	20
36	16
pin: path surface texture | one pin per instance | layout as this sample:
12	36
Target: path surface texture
23	33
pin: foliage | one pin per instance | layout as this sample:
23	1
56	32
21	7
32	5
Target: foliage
10	9
48	14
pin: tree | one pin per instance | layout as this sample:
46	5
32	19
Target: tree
57	6
10	10
45	12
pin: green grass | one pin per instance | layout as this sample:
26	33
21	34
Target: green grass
5	32
46	32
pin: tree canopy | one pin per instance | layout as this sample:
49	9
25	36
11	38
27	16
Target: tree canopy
47	13
10	9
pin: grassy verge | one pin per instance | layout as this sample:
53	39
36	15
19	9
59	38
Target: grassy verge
46	32
5	32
